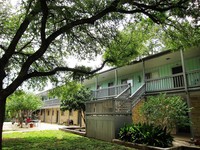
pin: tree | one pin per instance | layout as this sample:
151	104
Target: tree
73	96
165	111
36	40
146	38
21	104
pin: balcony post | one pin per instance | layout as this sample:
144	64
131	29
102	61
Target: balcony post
143	71
184	72
95	94
186	90
116	81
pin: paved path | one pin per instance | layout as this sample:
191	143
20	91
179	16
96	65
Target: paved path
9	127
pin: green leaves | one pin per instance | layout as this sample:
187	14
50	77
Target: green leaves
166	111
21	101
72	95
148	134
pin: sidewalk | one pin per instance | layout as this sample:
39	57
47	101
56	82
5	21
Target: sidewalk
9	127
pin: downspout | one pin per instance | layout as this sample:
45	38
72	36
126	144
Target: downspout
186	89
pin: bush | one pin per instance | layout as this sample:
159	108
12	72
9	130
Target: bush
146	134
166	111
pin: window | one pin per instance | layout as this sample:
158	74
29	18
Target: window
139	79
127	81
98	87
52	112
124	81
152	75
48	112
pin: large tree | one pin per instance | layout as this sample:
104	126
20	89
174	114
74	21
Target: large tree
36	39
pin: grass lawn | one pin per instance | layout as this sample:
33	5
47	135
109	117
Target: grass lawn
54	140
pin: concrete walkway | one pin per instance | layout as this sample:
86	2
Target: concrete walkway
9	127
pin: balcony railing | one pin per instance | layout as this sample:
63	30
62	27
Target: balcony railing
51	103
193	78
174	82
109	92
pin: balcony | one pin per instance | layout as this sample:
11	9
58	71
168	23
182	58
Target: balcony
174	82
111	92
50	103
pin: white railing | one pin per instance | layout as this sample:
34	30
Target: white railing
51	102
109	92
193	78
137	95
165	83
174	82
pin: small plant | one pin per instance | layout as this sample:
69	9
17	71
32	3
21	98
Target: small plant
148	134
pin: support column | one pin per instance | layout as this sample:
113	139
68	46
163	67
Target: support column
96	84
184	72
186	89
143	69
116	81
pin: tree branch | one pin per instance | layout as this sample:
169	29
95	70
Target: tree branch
61	69
44	19
25	46
11	48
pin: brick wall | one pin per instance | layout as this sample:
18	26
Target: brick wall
136	116
195	112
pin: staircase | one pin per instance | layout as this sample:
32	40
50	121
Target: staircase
122	103
137	95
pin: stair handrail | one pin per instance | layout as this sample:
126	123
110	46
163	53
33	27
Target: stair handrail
125	90
136	96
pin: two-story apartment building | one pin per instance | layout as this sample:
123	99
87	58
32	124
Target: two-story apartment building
119	91
50	111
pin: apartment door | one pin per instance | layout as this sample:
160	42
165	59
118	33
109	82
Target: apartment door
111	90
57	116
177	80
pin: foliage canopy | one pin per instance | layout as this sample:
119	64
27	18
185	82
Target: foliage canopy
21	103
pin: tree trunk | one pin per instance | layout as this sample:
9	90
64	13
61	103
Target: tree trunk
2	116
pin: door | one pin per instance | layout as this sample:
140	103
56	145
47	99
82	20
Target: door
177	79
111	89
57	116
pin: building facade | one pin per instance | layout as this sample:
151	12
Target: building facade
50	112
120	91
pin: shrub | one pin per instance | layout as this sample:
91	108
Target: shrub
166	111
146	134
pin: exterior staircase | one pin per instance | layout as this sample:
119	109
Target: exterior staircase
137	95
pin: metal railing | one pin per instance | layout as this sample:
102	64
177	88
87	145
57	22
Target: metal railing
109	92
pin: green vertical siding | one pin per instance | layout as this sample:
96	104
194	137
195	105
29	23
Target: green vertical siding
163	71
192	64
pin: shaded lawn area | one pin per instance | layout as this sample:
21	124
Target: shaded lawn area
54	140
